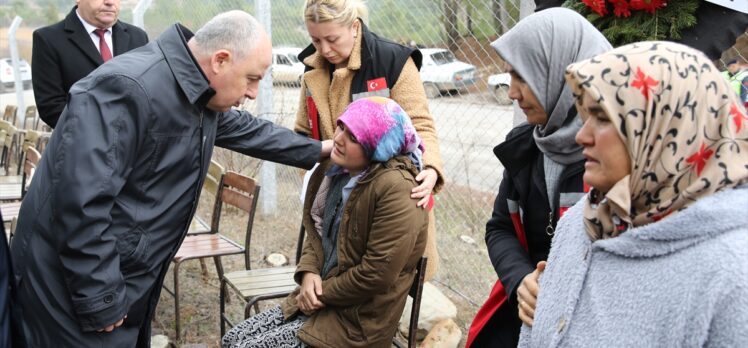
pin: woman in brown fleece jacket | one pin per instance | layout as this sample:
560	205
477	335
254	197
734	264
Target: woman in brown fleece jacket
365	237
346	62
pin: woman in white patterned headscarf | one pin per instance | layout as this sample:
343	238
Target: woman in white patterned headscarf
657	253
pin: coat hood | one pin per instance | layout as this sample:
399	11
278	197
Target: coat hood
707	218
399	162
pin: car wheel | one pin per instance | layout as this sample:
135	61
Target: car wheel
501	93
431	90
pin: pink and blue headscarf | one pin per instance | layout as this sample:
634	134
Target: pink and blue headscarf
383	129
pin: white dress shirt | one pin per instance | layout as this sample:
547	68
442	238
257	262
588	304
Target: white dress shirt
95	38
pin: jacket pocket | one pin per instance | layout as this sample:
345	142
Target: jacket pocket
352	323
133	251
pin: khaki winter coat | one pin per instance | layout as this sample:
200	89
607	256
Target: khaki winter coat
381	238
407	91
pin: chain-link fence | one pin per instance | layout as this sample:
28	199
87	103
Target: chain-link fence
454	36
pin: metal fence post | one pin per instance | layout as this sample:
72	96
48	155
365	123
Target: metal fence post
269	193
13	43
139	11
526	8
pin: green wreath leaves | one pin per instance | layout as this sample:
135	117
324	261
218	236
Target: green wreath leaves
624	22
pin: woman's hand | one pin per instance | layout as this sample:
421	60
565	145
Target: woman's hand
427	178
527	294
308	297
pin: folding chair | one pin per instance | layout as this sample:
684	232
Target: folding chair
235	190
254	285
416	293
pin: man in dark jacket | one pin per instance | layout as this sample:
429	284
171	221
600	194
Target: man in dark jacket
67	51
113	196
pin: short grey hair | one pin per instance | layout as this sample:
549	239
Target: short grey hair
235	31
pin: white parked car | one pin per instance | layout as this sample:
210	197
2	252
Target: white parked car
499	85
7	78
441	71
287	68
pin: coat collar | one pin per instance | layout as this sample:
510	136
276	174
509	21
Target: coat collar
78	35
721	212
121	38
82	39
184	66
318	175
518	150
397	162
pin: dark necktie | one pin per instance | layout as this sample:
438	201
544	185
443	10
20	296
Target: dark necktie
106	54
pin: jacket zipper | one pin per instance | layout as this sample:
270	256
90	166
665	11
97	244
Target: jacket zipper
196	200
553	215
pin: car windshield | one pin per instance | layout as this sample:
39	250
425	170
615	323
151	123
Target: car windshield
443	57
292	57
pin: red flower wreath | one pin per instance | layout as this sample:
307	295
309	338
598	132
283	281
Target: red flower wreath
648	5
597	5
622	8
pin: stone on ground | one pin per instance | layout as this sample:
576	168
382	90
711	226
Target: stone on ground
467	239
445	334
159	341
435	307
276	260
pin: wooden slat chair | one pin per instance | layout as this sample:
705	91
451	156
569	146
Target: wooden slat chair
10	185
255	285
8	137
10	114
30	118
210	186
30	162
44	137
29	138
10	209
198	224
12	229
235	190
416	293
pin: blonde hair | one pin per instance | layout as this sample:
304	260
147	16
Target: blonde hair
342	12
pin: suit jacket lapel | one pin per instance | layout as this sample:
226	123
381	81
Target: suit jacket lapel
121	38
80	38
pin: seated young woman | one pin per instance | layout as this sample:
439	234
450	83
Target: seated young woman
365	236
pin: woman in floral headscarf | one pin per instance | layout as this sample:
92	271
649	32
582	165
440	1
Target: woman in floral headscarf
365	238
657	253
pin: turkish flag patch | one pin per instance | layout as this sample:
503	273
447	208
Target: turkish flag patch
376	84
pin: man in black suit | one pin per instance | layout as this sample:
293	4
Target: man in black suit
67	51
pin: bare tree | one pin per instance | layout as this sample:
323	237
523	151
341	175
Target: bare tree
450	9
